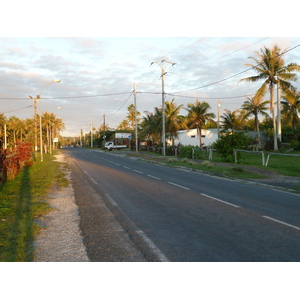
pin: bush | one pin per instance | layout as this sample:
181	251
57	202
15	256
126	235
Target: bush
297	146
227	143
187	152
15	159
269	146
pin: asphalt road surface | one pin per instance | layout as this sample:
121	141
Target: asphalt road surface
132	210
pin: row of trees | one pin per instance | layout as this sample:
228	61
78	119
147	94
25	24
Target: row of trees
14	129
271	71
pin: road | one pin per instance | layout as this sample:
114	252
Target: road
170	214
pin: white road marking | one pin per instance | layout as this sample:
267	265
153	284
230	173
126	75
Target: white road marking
225	202
160	255
154	177
94	180
137	171
111	200
183	187
283	223
126	167
152	246
117	164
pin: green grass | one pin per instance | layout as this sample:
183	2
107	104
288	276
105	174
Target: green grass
284	165
21	201
236	172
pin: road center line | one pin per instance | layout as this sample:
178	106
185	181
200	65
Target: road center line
183	187
126	167
225	202
154	177
283	223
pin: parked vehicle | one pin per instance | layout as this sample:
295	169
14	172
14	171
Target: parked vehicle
110	146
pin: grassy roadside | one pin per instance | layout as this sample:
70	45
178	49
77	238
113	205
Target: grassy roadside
21	201
284	165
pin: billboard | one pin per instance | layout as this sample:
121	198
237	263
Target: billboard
122	135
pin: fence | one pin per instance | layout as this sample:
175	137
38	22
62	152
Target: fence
264	161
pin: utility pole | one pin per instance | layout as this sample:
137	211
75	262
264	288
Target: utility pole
80	138
278	111
163	73
35	125
135	120
92	134
5	137
219	105
104	136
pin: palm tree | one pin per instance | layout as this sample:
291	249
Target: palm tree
151	126
131	115
198	115
254	106
14	126
124	125
233	120
291	107
270	68
174	121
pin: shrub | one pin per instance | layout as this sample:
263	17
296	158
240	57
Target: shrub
15	159
230	141
207	164
187	152
297	146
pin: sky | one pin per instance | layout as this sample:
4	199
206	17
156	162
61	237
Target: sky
97	69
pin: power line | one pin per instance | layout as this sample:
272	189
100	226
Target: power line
224	79
71	97
17	109
228	54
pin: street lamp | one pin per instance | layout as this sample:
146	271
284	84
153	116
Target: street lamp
38	97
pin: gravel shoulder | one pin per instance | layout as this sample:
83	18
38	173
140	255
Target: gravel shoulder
60	240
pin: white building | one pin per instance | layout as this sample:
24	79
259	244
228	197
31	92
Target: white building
190	137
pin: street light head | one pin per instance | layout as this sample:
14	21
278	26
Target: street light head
57	80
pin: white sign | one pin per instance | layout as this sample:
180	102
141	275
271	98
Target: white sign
122	135
55	140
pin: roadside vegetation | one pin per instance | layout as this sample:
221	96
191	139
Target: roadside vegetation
22	200
283	165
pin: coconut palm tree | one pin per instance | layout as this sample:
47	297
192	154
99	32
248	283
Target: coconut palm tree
291	108
271	68
198	115
14	127
131	115
124	125
233	120
174	121
255	106
151	126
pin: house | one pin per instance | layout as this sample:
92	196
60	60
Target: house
190	137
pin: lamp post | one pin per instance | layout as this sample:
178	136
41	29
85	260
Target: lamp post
38	97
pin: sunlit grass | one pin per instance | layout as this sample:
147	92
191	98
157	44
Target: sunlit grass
21	201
